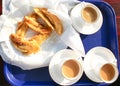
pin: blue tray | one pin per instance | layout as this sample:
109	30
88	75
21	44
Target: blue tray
106	37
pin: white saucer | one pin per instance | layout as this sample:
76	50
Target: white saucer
54	64
93	53
80	25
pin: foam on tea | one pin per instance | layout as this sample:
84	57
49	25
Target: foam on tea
107	72
70	69
89	14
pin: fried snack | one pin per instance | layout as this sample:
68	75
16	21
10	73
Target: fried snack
25	46
22	29
34	25
40	21
41	15
33	14
54	20
40	38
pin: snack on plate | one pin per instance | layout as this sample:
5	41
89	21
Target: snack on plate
42	23
51	19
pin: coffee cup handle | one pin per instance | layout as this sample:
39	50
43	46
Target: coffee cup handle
81	59
114	62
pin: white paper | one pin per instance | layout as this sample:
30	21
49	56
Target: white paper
17	10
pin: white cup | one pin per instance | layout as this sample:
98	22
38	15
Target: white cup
66	67
86	18
100	65
71	69
106	71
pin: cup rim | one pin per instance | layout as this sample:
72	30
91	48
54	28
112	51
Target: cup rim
88	61
94	8
56	59
115	75
84	27
79	71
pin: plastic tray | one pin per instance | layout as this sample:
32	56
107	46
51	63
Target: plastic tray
106	37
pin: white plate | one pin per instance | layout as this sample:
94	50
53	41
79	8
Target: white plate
99	52
56	60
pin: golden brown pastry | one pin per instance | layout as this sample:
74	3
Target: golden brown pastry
38	11
40	21
25	46
22	29
36	26
55	21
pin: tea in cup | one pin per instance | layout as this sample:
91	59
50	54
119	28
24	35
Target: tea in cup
106	71
86	18
101	65
66	67
71	69
89	14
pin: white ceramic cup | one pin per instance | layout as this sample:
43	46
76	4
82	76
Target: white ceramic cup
106	71
70	69
66	67
86	18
